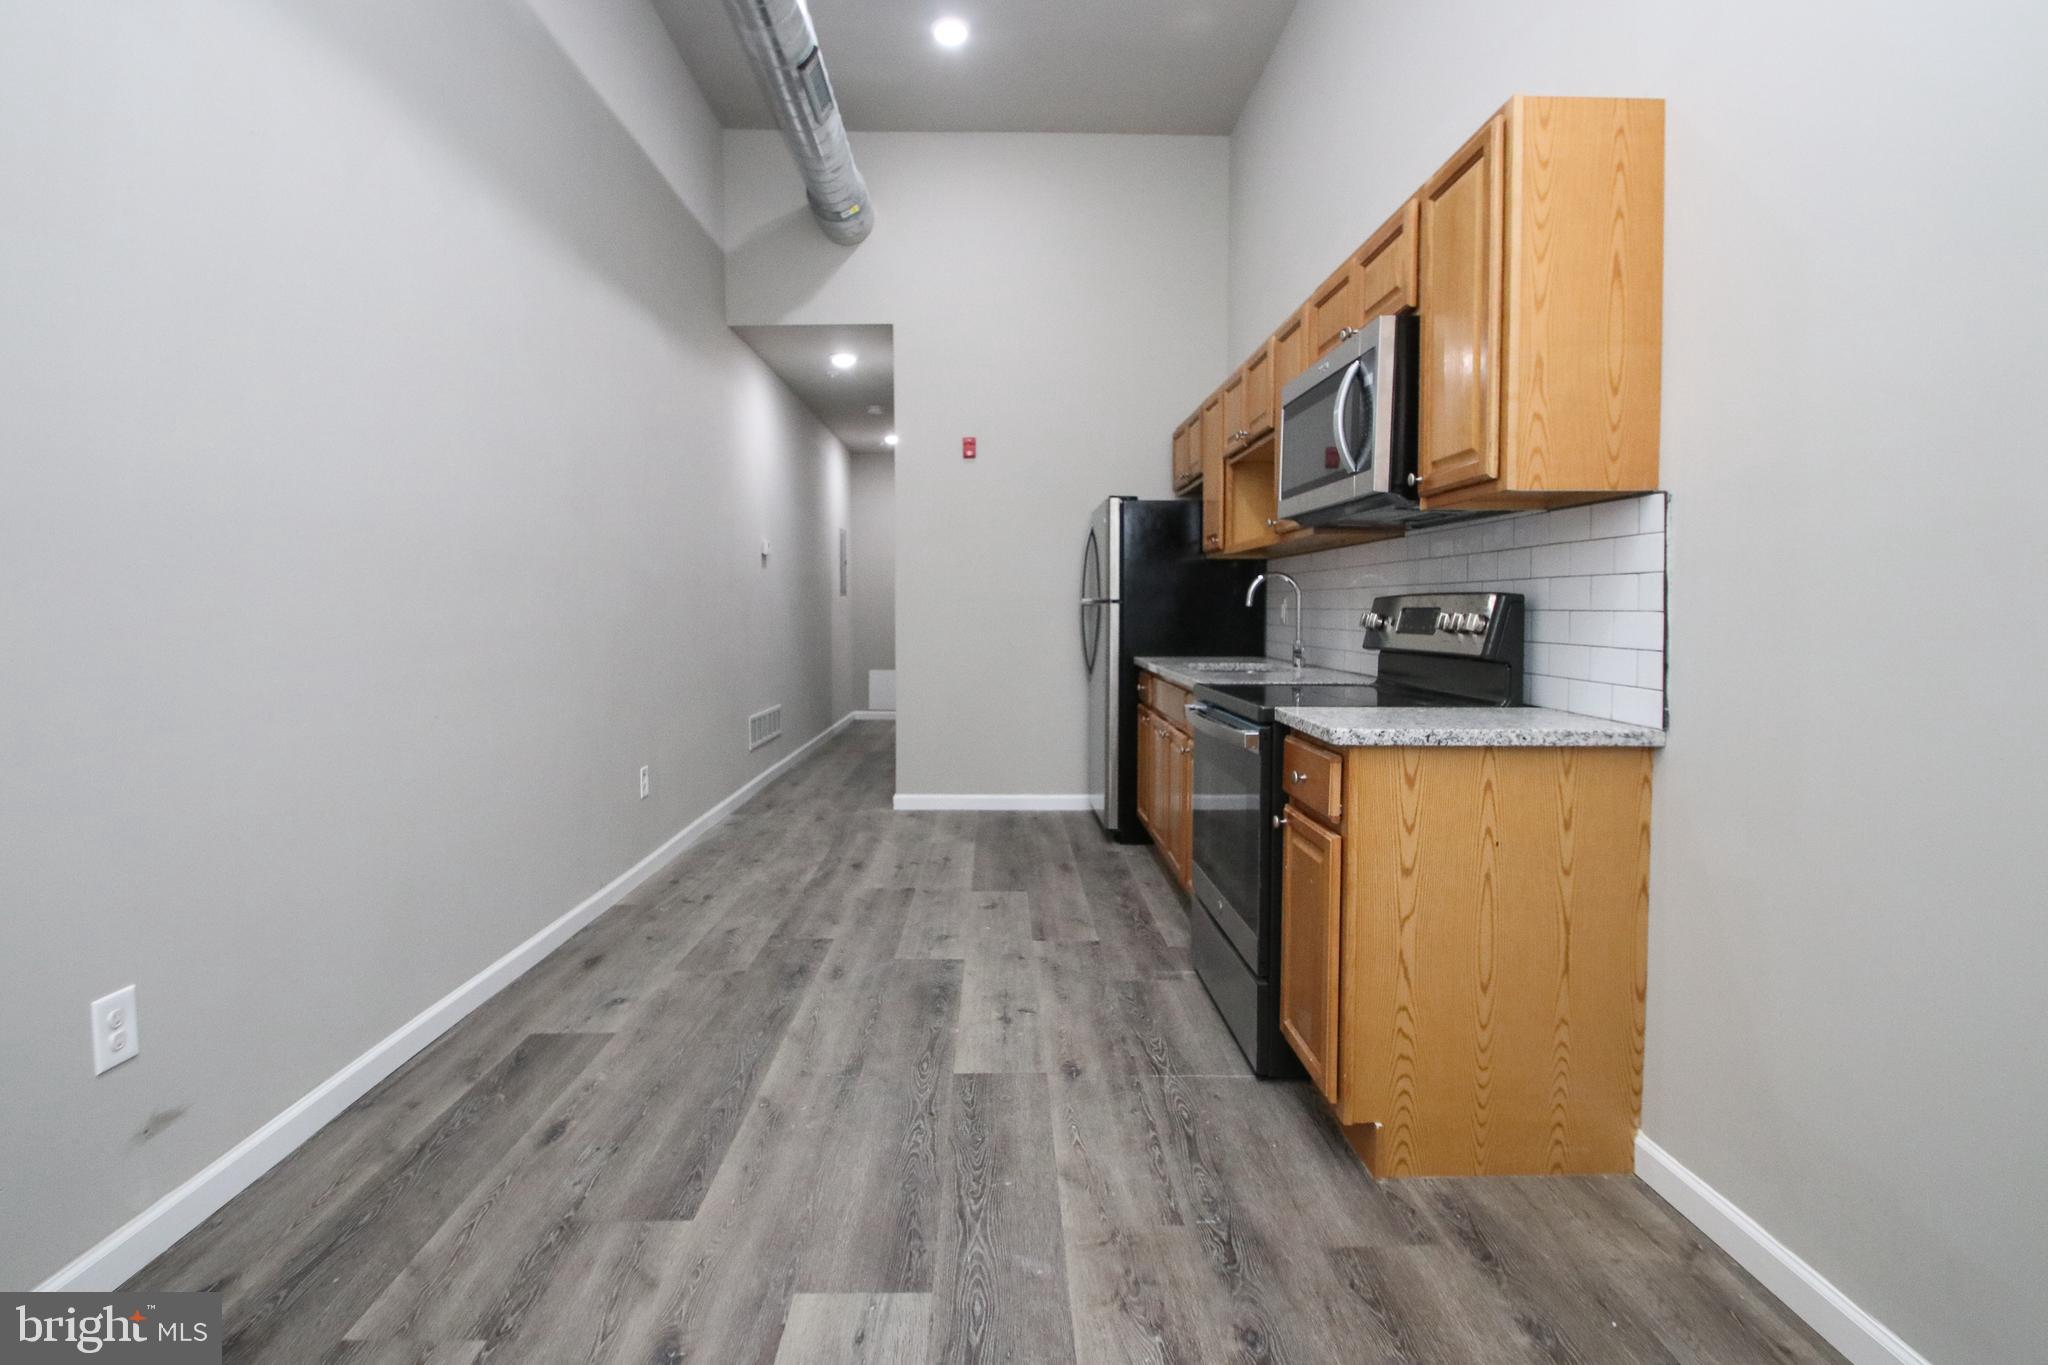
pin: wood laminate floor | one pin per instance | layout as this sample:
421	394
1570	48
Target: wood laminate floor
845	1085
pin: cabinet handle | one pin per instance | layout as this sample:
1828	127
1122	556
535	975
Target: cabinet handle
1413	480
1279	820
1272	521
1346	333
1297	777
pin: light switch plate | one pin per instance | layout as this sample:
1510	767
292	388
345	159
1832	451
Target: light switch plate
116	1032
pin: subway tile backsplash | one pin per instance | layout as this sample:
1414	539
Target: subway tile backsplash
1593	578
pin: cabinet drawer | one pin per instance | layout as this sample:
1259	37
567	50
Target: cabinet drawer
1314	776
1170	702
1168	699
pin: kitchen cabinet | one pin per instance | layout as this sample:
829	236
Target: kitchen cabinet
1148	768
1333	312
1311	910
1460	347
1534	260
1290	355
1540	281
1166	758
1248	402
1482	1010
1233	414
1187	459
1212	473
1385	266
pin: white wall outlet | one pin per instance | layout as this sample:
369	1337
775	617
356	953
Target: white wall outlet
116	1033
646	784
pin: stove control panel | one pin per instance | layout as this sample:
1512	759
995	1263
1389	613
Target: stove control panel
1475	625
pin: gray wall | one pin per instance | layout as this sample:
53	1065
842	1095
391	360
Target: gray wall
381	488
872	498
1846	932
1061	299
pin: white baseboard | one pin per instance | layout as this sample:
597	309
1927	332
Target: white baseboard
950	801
153	1231
1807	1292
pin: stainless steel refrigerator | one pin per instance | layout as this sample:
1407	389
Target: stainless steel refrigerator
1147	590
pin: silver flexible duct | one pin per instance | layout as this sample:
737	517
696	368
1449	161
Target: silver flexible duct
782	47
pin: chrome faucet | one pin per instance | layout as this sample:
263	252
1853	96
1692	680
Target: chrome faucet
1288	579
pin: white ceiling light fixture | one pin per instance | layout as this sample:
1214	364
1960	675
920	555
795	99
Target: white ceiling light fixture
950	32
844	360
889	440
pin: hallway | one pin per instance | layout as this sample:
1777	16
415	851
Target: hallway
847	1085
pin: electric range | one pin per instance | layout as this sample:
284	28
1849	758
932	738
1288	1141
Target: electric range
1435	649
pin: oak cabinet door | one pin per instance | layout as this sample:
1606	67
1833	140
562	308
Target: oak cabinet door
1332	311
1212	473
1386	266
1311	914
1184	462
1459	250
1184	808
1290	354
1234	413
1260	394
1148	773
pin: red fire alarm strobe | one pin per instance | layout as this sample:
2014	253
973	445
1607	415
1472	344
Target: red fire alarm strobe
966	447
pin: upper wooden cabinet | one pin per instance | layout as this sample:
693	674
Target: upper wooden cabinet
1290	353
1211	449
1540	248
1331	312
1534	260
1458	440
1233	413
1261	395
1385	266
1187	457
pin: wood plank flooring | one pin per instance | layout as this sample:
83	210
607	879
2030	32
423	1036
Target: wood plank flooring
843	1085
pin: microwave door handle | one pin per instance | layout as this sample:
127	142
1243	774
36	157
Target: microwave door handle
1344	450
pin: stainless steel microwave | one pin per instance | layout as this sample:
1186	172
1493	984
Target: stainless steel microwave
1347	431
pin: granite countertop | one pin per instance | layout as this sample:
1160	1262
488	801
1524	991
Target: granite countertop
1241	668
1507	727
1359	727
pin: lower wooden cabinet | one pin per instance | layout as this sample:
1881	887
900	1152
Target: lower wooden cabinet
1311	921
1463	957
1166	777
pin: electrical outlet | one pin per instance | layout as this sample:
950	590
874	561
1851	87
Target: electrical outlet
116	1033
646	784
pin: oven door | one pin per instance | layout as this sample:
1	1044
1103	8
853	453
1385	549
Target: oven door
1230	826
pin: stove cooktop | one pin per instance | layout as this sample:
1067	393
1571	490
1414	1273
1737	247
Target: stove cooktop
1258	701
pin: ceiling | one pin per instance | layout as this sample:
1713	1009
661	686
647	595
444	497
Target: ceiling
800	355
1032	66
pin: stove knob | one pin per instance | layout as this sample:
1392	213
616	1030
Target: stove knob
1446	622
1472	626
1480	623
1372	620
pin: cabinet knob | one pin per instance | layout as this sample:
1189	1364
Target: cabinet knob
1413	480
1279	820
1297	776
1272	521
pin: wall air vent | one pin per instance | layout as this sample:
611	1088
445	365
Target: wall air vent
764	727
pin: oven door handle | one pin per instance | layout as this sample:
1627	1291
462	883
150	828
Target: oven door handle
1203	719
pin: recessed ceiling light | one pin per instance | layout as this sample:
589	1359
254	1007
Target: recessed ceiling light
844	360
949	32
890	439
